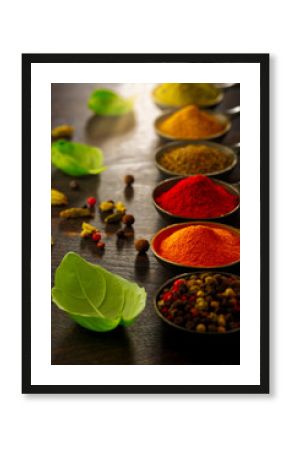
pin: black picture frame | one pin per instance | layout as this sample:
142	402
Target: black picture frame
27	61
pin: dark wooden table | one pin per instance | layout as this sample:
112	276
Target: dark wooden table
129	144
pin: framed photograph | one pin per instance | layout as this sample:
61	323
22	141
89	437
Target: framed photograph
156	278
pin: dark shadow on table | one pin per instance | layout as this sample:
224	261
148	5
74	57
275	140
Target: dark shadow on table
88	347
197	349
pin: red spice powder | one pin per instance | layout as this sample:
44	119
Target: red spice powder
197	197
201	246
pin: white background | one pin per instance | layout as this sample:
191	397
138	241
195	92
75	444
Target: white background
248	372
221	422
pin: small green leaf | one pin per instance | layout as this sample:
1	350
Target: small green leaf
95	298
107	103
76	159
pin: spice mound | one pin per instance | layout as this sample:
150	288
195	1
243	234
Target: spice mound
200	246
197	197
204	302
180	94
191	123
192	159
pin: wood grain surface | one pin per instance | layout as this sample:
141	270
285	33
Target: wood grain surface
129	145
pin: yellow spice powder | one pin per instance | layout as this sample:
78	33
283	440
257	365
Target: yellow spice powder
191	123
181	94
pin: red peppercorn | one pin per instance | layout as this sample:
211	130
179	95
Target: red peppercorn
101	245
91	201
167	296
184	298
96	236
178	283
194	312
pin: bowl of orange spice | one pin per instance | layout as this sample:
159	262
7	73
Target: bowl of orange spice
191	123
197	245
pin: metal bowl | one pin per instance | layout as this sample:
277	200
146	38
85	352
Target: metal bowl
222	118
178	327
168	184
165	106
167	231
225	85
171	145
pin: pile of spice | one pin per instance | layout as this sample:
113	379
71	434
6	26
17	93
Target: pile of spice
191	123
197	197
201	246
207	302
181	94
192	159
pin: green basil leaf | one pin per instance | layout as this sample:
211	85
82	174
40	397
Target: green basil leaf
95	298
108	103
76	159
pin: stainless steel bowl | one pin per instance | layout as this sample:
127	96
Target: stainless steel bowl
167	231
225	85
222	118
171	145
168	184
165	106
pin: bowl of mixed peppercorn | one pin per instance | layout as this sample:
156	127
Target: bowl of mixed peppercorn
201	302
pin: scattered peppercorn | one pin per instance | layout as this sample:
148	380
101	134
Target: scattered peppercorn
91	201
74	185
128	219
187	304
96	236
129	180
141	245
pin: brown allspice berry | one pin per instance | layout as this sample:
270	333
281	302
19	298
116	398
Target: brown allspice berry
128	219
141	245
129	180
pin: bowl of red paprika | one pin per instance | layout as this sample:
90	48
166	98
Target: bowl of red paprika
197	245
205	303
196	197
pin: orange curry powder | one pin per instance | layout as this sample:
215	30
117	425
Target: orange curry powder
201	246
191	123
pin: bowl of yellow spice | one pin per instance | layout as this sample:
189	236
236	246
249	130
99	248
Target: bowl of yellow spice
190	123
203	157
175	95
